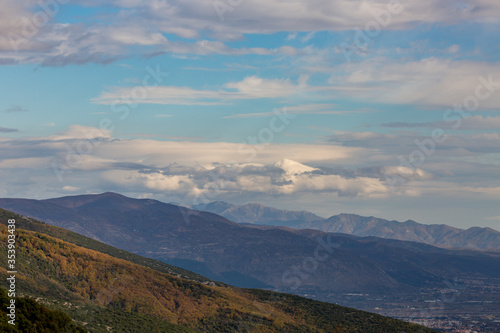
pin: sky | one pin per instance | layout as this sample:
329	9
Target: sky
378	108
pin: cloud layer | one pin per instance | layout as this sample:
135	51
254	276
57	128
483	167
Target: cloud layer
89	156
39	35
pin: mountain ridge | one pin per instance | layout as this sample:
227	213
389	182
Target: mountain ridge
277	258
254	212
357	225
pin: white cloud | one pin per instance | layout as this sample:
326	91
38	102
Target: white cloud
25	163
251	87
299	177
105	38
428	82
186	168
228	171
68	188
258	16
284	177
456	145
11	20
160	153
156	182
315	108
406	172
256	87
445	188
81	132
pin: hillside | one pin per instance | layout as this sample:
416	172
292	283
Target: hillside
33	317
77	239
103	293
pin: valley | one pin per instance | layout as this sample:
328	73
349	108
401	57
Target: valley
394	278
103	292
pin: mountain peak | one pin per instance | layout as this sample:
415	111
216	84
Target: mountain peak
75	201
293	167
110	194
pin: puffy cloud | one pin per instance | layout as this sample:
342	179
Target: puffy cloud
282	178
84	157
221	170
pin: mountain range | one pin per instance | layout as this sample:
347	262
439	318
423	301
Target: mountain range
70	283
254	213
277	258
434	234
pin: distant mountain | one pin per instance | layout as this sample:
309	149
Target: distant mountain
434	234
85	289
262	257
258	214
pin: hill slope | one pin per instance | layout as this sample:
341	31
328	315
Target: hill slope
89	243
104	293
33	317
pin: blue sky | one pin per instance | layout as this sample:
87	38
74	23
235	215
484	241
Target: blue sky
328	106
